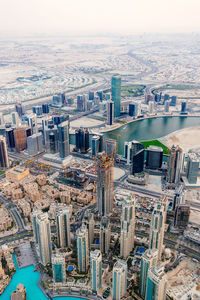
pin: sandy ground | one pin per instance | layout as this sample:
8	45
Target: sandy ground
188	138
85	122
118	173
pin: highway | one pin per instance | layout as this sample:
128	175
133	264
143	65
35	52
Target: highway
11	207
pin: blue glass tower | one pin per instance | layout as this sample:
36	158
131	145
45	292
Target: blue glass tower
116	94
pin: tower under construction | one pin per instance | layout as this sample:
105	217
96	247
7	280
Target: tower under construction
104	167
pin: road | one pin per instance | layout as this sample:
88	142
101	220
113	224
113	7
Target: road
11	207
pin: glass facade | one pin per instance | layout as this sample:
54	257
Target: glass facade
116	94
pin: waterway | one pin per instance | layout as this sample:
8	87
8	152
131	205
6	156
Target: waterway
29	279
149	129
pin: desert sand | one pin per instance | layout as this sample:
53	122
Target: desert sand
187	139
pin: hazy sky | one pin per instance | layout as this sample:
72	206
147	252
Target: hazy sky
131	16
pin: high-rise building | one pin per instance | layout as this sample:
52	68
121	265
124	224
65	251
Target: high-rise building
44	238
58	119
59	269
110	146
179	196
63	141
4	161
156	284
148	260
82	140
19	108
165	97
10	138
51	138
192	171
119	280
1	119
154	157
167	105
45	108
81	103
95	144
137	162
100	95
105	234
157	228
151	107
63	227
32	122
20	138
34	215
183	107
59	100
127	225
15	118
35	144
175	165
173	101
91	224
128	152
133	109
91	95
96	270
37	110
110	112
82	249
182	215
134	153
116	94
104	184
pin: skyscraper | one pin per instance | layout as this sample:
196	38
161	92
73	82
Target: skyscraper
63	141
105	233
19	108
10	138
156	284
127	225
95	144
4	161
192	171
104	184
35	144
154	157
20	138
91	224
157	228
44	238
58	266
110	146
82	249
63	227
183	107
119	280
96	270
148	260
182	215
110	112
34	215
15	118
116	94
32	122
167	105
82	140
1	119
175	165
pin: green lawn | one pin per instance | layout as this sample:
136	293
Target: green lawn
155	143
